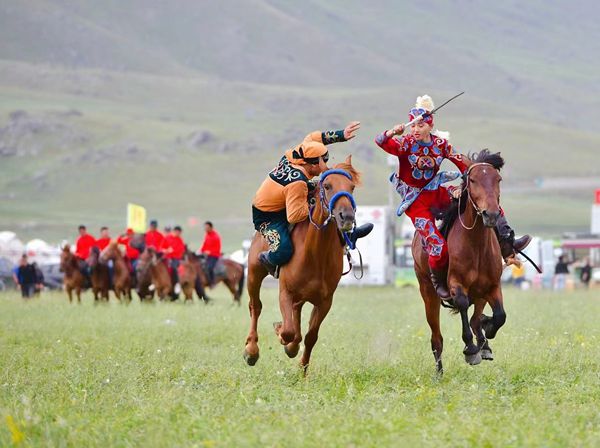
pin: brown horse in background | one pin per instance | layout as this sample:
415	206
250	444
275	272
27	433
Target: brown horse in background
121	277
73	279
152	269
99	276
475	265
314	271
233	277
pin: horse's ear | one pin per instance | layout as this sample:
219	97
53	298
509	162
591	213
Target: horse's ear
349	160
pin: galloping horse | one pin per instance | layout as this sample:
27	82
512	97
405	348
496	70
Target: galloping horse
475	262
232	277
73	278
99	276
121	277
151	269
315	269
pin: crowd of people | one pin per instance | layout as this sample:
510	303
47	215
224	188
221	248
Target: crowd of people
29	279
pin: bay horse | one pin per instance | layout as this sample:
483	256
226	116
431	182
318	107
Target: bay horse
233	277
314	271
99	275
121	277
152	270
73	279
475	261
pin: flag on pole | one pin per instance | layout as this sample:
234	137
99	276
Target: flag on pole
136	218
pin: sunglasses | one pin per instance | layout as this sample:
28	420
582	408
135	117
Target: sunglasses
315	160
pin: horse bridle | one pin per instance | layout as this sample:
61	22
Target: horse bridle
329	205
478	211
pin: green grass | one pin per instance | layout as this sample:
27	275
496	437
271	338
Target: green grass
173	375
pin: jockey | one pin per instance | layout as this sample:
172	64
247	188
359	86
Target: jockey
211	247
174	248
104	239
282	199
131	253
418	181
154	238
84	243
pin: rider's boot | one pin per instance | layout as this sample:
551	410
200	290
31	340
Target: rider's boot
506	238
439	280
360	232
263	257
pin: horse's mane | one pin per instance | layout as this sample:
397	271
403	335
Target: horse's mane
451	214
356	175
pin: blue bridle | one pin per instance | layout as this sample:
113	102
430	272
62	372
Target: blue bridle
329	206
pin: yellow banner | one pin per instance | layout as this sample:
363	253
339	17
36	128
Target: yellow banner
136	218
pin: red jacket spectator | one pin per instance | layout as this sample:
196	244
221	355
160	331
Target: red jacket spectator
212	244
83	245
102	243
155	239
177	246
130	252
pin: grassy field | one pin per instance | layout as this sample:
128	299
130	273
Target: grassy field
173	375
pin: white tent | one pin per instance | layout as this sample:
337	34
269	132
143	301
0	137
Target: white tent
11	247
42	253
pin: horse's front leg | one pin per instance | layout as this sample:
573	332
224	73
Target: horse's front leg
317	316
482	342
491	325
70	294
291	349
286	329
461	301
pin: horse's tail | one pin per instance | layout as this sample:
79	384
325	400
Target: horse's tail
240	289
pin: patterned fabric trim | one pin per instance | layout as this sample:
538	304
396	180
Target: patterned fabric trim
410	194
330	137
284	173
271	235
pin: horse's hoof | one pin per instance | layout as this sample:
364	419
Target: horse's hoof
292	353
473	359
487	354
250	359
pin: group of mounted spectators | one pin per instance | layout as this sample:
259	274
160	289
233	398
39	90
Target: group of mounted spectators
169	243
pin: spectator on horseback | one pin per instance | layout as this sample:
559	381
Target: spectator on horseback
174	249
282	199
83	245
418	181
104	239
131	253
211	247
154	238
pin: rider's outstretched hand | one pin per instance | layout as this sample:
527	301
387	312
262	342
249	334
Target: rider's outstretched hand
351	129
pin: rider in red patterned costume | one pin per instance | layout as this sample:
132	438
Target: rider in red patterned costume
419	180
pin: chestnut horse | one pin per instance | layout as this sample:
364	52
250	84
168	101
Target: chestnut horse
73	279
475	265
315	269
152	269
233	277
121	277
99	276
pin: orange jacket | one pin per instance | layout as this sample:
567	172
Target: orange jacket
286	185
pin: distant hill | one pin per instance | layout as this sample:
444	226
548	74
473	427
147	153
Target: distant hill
184	106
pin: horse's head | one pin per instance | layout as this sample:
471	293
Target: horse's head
110	252
483	185
94	257
336	188
66	258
